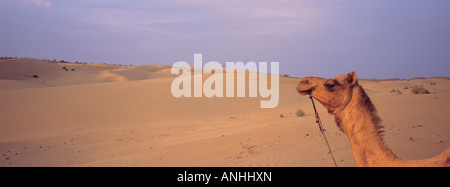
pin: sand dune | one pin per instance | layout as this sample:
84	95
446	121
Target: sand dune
109	115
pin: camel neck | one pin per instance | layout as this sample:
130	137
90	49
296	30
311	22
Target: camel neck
361	124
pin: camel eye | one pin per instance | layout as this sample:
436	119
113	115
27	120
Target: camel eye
330	86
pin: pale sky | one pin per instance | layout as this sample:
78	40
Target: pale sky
377	38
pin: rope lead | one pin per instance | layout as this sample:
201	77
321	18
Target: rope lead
319	122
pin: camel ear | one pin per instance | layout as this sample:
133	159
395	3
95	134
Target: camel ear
351	78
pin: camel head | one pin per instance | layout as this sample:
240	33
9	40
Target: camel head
334	93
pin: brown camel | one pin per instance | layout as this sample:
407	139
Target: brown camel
357	117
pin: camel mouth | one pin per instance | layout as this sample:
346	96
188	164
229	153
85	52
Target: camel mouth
305	92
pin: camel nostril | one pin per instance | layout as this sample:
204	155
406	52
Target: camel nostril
304	82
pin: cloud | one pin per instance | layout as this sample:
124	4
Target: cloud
107	18
39	3
261	17
205	18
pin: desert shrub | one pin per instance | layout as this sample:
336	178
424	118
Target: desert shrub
419	90
398	92
7	57
299	113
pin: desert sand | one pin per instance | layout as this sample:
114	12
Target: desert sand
111	115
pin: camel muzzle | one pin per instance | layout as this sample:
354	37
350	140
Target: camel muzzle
304	87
